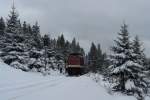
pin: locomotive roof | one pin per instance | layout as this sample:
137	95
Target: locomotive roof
76	54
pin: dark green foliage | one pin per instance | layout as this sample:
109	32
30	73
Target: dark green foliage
97	59
93	57
61	42
46	40
25	28
2	25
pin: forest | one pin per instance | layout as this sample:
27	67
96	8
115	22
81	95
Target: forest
22	46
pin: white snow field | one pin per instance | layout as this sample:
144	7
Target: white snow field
19	85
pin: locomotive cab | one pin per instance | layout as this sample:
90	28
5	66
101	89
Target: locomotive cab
75	64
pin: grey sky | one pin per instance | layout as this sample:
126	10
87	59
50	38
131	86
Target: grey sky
87	20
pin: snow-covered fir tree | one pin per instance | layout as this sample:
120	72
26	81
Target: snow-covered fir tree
13	21
37	39
127	65
139	69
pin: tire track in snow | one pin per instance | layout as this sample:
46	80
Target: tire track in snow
5	85
38	89
5	90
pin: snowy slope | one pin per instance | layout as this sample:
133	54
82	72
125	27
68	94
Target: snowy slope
18	85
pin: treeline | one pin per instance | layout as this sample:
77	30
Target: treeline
22	46
97	59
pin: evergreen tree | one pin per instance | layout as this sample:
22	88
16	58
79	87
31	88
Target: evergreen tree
139	73
138	52
125	69
46	40
53	44
20	31
36	28
78	48
25	28
12	21
67	45
100	59
92	57
120	59
58	43
29	30
73	45
37	39
2	25
62	42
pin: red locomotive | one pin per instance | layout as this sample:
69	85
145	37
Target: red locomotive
75	64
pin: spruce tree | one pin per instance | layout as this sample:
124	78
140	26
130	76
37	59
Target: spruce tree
36	28
46	40
73	45
138	52
37	39
24	28
120	59
12	21
62	42
125	69
92	58
2	25
29	30
138	70
100	60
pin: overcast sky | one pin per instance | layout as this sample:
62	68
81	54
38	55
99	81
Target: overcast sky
87	20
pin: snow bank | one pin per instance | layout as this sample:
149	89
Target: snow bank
103	83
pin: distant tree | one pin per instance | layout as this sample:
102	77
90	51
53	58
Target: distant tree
62	41
2	25
36	28
100	58
92	57
25	28
29	29
53	43
67	45
73	45
46	40
37	39
58	43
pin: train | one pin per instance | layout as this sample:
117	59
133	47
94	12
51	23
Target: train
75	64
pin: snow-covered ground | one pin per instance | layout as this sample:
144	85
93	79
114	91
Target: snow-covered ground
18	85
